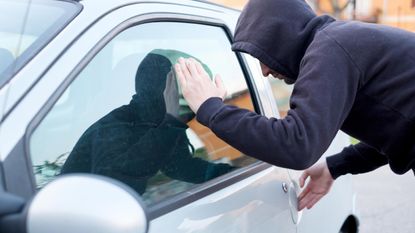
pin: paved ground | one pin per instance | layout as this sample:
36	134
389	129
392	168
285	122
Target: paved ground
386	201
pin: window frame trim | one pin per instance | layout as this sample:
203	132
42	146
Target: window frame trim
176	201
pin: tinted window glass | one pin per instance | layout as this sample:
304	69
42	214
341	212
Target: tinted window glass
26	26
124	115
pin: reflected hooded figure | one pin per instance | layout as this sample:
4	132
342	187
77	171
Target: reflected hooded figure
135	141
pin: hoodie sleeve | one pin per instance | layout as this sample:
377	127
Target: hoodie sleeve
322	98
355	159
182	165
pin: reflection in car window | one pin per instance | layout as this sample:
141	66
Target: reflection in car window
124	115
26	26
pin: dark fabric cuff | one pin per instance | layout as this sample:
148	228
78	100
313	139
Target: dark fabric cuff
215	170
355	159
208	109
336	166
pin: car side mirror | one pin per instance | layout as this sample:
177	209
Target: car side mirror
84	203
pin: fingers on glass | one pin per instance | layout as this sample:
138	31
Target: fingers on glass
200	68
184	68
218	81
180	76
191	65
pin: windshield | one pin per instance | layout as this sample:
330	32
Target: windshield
25	27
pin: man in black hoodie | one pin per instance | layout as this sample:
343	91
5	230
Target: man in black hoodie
353	76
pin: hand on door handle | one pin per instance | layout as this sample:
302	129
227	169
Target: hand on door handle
319	185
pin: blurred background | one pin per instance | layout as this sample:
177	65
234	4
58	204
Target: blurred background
397	13
385	201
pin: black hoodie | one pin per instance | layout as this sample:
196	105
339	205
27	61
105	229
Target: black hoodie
353	76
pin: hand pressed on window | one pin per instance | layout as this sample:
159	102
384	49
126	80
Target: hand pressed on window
196	85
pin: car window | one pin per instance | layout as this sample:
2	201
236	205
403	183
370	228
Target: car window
282	93
124	115
26	26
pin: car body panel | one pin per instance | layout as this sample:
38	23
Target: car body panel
341	197
252	205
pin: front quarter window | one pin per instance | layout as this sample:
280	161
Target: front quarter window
26	27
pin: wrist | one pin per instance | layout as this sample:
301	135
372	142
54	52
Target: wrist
327	170
208	109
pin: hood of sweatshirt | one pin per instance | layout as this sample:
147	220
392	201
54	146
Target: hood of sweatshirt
157	91
277	33
150	82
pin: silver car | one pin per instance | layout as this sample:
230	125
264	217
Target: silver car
95	135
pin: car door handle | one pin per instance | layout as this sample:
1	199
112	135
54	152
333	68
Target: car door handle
292	200
292	190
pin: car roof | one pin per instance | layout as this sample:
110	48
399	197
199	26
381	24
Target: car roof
198	3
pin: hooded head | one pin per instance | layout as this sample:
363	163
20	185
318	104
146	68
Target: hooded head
157	92
277	33
150	82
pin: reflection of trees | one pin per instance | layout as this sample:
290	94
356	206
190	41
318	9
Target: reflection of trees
47	171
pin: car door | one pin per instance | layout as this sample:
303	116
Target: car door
106	100
26	27
340	201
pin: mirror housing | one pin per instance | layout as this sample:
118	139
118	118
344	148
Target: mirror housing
84	203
